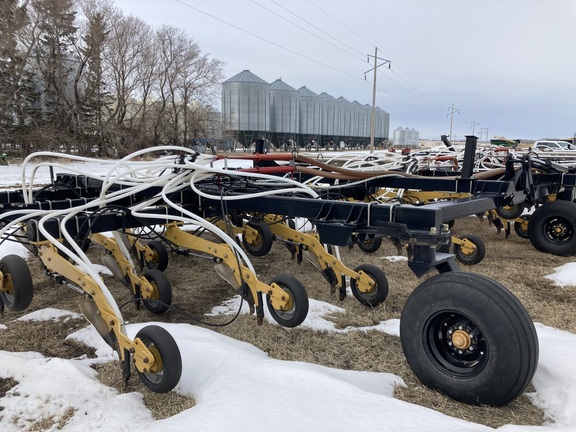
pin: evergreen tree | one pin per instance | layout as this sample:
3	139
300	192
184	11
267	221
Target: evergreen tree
97	100
58	65
12	19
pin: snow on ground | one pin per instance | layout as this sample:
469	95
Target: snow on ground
237	387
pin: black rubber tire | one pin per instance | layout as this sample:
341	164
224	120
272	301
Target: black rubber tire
18	287
297	314
161	343
476	256
552	228
511	211
161	257
504	353
164	289
518	227
379	293
263	242
370	244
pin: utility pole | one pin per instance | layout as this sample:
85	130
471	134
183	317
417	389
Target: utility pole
484	130
474	123
451	111
373	119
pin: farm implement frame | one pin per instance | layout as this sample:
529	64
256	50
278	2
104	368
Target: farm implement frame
450	326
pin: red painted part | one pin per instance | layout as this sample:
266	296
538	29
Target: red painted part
261	157
443	158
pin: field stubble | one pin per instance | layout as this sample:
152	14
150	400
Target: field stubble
513	262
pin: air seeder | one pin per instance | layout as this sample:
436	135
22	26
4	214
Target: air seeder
451	326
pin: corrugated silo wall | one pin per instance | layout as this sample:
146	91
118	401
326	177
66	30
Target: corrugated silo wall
399	137
310	116
252	110
406	137
381	131
329	122
246	109
284	116
367	120
344	126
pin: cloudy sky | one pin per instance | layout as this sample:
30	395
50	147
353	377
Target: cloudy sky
503	67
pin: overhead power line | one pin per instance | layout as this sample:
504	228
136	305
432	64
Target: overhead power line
399	80
266	40
320	30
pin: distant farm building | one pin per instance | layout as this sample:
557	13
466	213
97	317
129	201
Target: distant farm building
285	117
405	137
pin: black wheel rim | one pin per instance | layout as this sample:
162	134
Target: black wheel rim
455	344
559	230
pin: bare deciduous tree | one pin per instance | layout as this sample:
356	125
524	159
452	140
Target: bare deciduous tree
96	80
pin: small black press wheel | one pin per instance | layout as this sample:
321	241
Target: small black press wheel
521	227
370	244
510	211
470	255
160	298
552	228
297	308
470	338
166	370
17	287
159	259
379	289
261	244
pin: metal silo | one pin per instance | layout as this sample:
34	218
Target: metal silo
367	120
329	121
344	117
413	136
399	137
357	123
382	125
246	107
310	108
284	119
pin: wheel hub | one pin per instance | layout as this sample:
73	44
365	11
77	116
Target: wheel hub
462	339
559	230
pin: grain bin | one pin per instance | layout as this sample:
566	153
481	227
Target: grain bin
284	116
329	113
405	137
246	107
344	126
310	107
367	116
382	125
